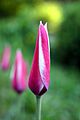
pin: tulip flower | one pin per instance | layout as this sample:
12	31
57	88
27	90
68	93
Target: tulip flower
40	72
19	73
39	78
5	63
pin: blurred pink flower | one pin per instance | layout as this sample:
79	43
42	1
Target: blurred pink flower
5	63
19	73
39	78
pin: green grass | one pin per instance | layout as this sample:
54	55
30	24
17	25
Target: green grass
62	101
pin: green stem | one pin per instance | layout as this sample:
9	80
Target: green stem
38	111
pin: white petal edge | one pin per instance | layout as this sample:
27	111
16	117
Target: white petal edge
41	61
19	74
45	26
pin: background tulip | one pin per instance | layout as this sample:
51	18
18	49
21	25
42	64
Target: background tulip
40	72
5	63
19	73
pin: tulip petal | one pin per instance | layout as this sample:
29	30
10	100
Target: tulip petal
18	73
40	71
6	58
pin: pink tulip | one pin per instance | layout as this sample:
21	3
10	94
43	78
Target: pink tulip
5	63
40	72
19	73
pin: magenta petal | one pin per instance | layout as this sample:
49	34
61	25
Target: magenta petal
40	72
5	63
19	73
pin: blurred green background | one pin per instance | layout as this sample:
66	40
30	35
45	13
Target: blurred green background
19	20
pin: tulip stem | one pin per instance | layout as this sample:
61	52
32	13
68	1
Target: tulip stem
38	111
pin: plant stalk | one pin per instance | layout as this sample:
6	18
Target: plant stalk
38	111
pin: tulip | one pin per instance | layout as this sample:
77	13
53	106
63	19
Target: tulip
19	73
40	72
39	78
5	63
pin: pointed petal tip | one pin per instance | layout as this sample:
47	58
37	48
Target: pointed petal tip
45	26
40	22
18	50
